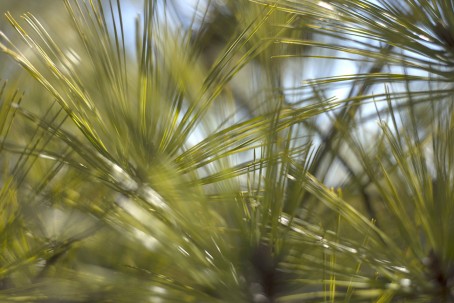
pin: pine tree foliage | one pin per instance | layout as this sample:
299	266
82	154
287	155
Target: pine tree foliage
221	156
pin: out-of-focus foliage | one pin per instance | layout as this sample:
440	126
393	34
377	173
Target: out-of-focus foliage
249	151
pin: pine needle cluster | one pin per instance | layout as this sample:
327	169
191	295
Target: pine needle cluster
247	151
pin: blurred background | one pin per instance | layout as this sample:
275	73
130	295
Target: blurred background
222	151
